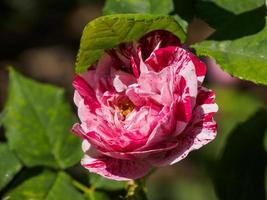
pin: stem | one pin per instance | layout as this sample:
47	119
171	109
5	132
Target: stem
81	187
136	189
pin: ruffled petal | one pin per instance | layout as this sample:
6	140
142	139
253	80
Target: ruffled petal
86	93
180	64
116	169
157	39
199	132
142	154
121	80
200	68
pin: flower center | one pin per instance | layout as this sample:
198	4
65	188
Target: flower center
125	106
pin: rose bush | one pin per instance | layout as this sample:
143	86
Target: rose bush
142	106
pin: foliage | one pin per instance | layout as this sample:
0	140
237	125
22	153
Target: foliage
38	131
9	165
37	117
108	31
245	58
138	6
47	185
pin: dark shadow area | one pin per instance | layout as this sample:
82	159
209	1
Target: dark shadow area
241	170
25	25
79	173
228	25
40	23
2	135
214	15
242	25
184	8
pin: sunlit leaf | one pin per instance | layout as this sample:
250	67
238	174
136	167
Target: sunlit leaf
108	31
9	165
37	122
46	186
245	58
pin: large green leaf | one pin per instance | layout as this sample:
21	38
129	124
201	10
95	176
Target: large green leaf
245	58
108	31
46	186
37	121
240	171
138	6
9	165
220	12
242	25
99	182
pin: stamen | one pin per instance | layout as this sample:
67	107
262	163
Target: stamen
125	106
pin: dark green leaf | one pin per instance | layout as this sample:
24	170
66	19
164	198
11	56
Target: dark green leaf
220	12
98	182
9	165
240	171
245	58
245	24
108	31
185	9
37	122
46	186
138	6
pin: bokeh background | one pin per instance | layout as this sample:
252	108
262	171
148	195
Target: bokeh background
40	39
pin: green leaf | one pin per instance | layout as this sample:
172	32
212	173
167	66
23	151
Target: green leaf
240	171
220	12
99	182
9	165
242	25
46	186
37	122
245	58
138	6
97	195
108	31
182	22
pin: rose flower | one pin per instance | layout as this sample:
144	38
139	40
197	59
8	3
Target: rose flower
143	106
